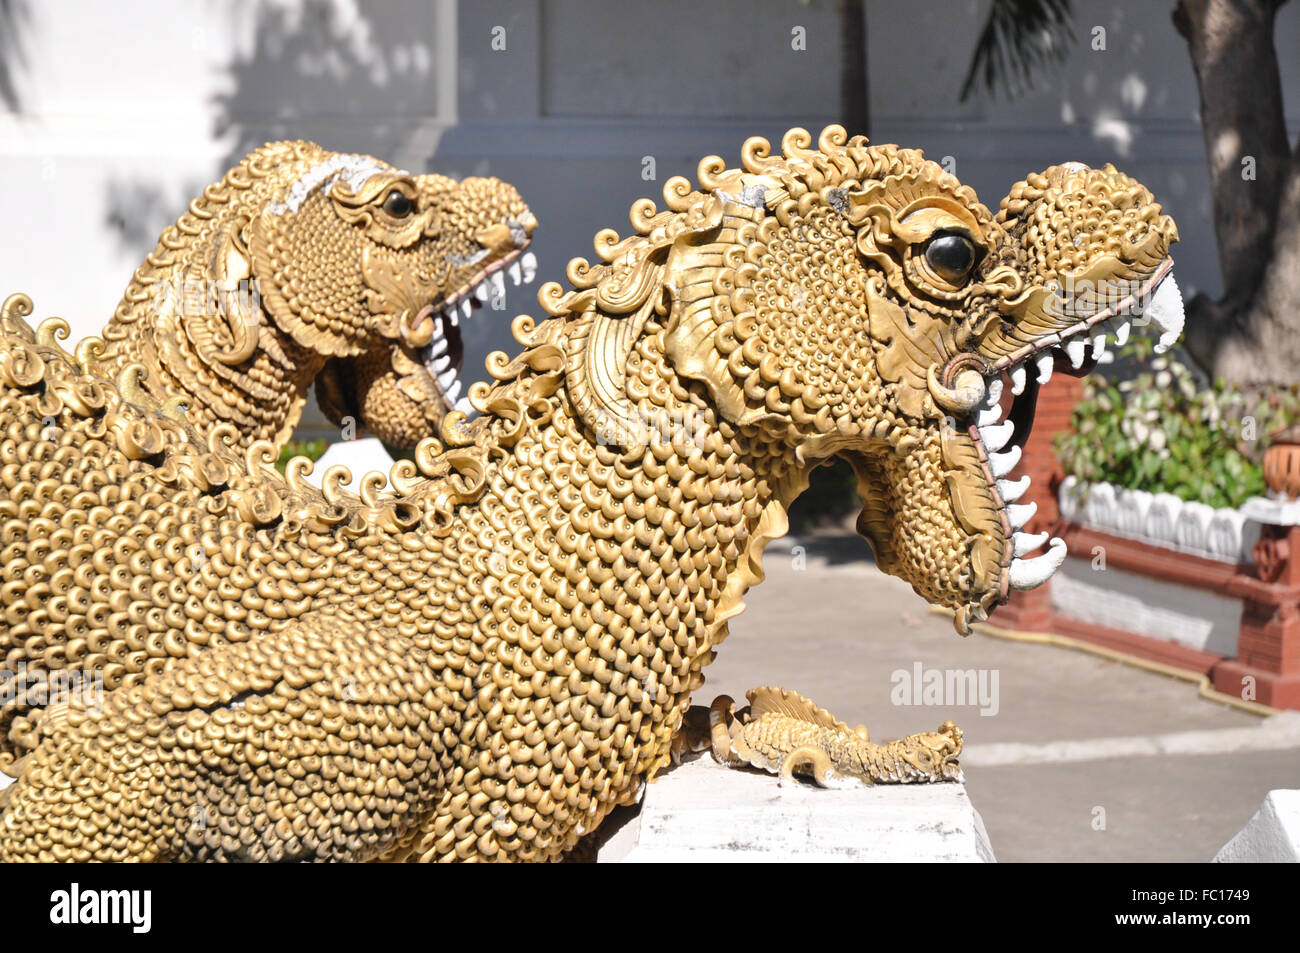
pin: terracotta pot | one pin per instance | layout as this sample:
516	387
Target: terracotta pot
1282	463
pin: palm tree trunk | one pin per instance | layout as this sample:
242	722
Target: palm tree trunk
1252	333
854	94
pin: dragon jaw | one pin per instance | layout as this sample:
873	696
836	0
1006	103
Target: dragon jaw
444	356
1000	427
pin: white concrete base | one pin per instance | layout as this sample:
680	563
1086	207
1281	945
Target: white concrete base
702	811
359	456
1271	837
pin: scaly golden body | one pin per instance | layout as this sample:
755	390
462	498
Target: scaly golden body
483	662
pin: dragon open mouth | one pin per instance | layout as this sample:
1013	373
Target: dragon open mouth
444	356
1002	423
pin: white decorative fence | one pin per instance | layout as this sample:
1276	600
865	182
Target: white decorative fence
1160	519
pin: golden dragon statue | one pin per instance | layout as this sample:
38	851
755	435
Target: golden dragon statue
305	265
483	659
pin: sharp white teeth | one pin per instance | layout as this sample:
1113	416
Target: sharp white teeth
442	362
498	284
464	406
1098	345
449	314
1023	543
1012	490
447	378
452	392
1018	514
1018	378
993	392
1045	361
466	307
1165	310
1122	331
1074	350
455	318
1030	573
481	291
438	347
990	411
515	274
1003	463
995	436
529	264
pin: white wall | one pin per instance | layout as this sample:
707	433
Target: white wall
131	107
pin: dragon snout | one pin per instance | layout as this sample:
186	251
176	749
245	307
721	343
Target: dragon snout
507	236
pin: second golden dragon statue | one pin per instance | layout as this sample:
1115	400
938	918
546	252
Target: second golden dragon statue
484	660
303	265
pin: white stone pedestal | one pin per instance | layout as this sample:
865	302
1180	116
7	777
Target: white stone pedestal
1271	837
701	811
359	456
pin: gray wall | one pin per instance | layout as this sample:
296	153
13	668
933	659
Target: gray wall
585	90
130	107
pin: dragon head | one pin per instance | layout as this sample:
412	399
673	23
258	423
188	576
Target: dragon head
859	301
969	314
371	269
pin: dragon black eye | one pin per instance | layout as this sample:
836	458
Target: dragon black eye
951	256
398	205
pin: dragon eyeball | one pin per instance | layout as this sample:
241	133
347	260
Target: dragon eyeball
398	205
951	255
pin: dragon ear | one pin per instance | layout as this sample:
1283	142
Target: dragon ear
708	301
596	357
691	280
222	331
677	278
269	247
233	269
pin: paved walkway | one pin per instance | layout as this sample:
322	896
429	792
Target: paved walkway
1074	758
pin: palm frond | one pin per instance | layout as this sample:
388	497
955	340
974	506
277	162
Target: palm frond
1019	37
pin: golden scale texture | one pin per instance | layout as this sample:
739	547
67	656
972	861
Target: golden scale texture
263	284
482	661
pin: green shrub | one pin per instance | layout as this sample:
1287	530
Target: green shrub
312	449
1162	431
